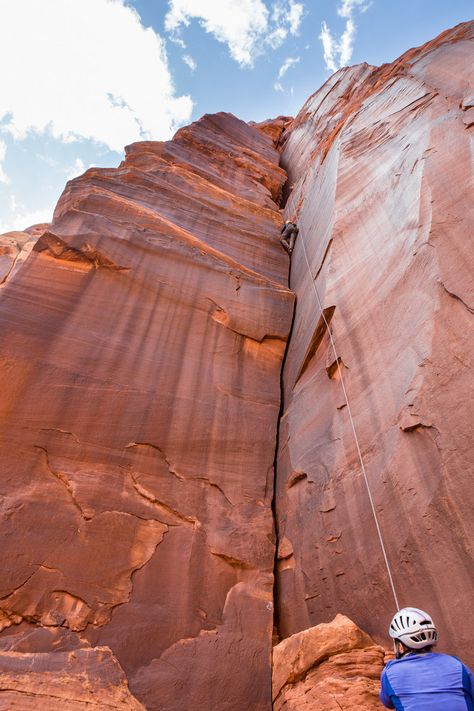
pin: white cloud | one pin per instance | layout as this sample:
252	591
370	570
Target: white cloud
330	47
346	43
24	219
247	27
179	41
295	16
78	168
347	7
86	70
3	150
287	64
187	59
338	52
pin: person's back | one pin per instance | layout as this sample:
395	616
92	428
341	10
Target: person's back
419	679
427	682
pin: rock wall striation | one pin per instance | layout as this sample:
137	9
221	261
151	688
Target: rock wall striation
328	667
142	336
80	679
380	164
140	355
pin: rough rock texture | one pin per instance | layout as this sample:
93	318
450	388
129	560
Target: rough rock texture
381	168
140	355
64	681
15	247
275	128
141	345
327	668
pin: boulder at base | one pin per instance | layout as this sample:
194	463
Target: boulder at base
64	681
332	666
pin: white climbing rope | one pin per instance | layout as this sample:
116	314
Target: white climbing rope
361	459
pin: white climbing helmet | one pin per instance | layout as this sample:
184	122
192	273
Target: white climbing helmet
414	628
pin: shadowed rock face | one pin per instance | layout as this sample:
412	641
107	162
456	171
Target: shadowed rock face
141	346
379	160
140	354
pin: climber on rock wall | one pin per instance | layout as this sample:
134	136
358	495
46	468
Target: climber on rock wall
419	679
288	236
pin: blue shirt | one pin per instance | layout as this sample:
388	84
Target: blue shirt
427	682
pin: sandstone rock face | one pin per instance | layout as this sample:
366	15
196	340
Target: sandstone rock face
64	681
141	346
327	668
274	128
379	160
15	247
140	355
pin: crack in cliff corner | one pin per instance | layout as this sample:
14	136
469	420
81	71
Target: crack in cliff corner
276	596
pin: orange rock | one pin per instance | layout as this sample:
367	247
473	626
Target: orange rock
15	247
380	163
274	128
327	668
64	681
140	358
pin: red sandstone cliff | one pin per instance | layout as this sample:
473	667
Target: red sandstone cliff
141	345
140	356
379	160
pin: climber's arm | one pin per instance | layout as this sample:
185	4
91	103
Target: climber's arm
385	688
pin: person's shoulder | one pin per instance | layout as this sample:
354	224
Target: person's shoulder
446	660
391	663
442	655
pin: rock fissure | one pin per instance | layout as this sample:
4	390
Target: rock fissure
276	633
171	468
149	496
238	500
359	146
62	478
456	296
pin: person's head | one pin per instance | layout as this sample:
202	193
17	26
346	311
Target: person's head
412	630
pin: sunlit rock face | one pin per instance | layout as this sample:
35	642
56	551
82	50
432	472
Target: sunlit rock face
328	667
140	356
142	335
380	161
275	128
15	247
80	679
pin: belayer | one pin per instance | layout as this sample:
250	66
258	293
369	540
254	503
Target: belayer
419	679
289	233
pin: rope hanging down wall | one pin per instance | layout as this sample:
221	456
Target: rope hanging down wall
354	431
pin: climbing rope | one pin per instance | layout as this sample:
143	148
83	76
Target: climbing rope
361	459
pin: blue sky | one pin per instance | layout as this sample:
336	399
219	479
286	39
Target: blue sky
82	78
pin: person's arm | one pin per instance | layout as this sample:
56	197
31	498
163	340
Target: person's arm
384	689
468	681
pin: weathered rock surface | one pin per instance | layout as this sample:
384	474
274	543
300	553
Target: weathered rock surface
380	160
274	128
64	681
140	354
15	247
141	345
327	668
